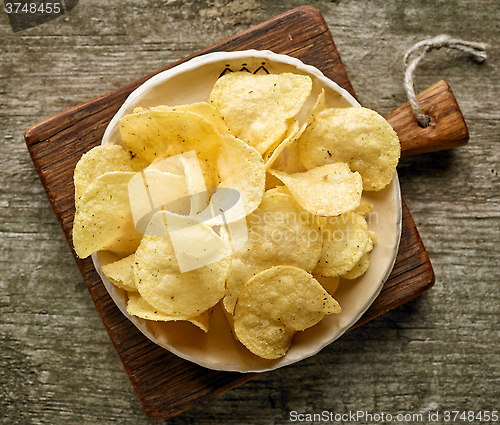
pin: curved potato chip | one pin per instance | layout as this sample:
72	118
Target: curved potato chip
359	269
330	284
275	151
121	273
272	182
240	167
280	232
103	218
100	160
137	306
195	244
329	190
359	137
344	242
152	190
201	108
154	134
285	150
258	108
289	160
364	209
158	273
362	266
276	303
197	174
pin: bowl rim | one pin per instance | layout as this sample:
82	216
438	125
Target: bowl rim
214	57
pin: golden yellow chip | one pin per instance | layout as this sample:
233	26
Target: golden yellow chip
152	190
329	283
103	218
241	168
359	137
362	266
285	154
280	232
155	134
328	190
275	151
121	273
100	160
275	304
344	242
137	306
272	182
364	209
359	269
285	157
201	108
170	244
289	160
259	108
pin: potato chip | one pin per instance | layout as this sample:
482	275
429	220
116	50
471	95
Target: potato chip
259	108
328	190
198	194
158	273
362	266
282	189
121	273
201	108
359	269
100	160
240	167
274	151
195	244
359	137
276	303
330	284
153	190
344	242
364	209
272	182
103	218
280	232
289	160
287	150
199	175
154	134
137	306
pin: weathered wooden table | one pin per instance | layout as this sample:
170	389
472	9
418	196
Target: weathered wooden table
438	352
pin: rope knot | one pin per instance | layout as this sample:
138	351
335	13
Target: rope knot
476	50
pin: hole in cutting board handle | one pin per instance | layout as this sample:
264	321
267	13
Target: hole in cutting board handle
447	128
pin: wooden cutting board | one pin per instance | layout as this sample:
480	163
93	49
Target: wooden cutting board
165	384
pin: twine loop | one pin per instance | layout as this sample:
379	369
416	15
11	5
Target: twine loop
477	51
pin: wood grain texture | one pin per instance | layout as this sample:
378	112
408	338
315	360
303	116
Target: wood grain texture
56	145
446	129
438	352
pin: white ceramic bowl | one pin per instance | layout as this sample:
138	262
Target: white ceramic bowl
192	82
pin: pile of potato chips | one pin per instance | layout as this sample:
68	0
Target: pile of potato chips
298	186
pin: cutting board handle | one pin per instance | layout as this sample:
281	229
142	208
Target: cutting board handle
447	128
